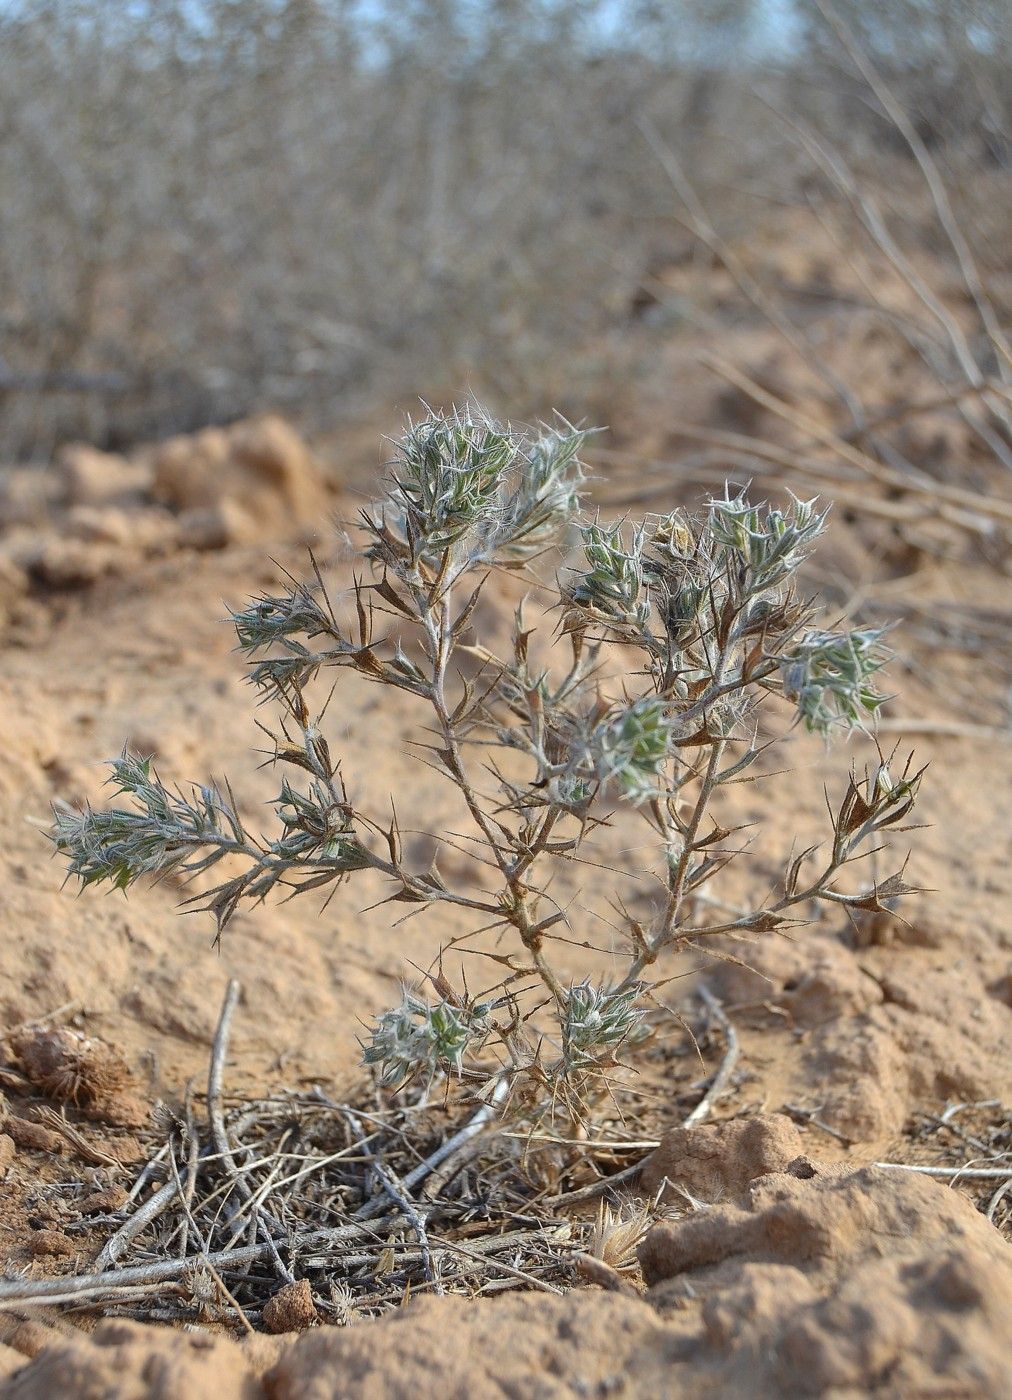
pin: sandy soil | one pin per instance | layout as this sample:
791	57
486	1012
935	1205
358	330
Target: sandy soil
800	1269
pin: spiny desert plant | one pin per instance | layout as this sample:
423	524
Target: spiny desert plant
669	633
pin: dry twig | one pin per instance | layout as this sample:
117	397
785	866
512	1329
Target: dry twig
722	1078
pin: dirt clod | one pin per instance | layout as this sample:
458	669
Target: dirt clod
132	1362
33	1137
51	1242
291	1309
262	466
718	1161
104	1201
90	477
586	1344
842	1279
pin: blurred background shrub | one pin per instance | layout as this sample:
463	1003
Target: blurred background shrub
208	206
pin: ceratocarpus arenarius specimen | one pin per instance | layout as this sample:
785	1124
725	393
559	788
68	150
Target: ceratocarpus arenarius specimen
707	604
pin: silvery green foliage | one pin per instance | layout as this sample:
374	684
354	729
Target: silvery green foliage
631	750
418	1037
665	634
160	831
772	543
829	675
613	586
597	1022
466	484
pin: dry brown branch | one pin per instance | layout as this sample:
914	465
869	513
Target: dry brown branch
800	1114
932	177
531	1280
152	1208
832	164
607	1183
946	729
702	228
957	1173
450	1155
903	412
85	1147
13	1294
598	1144
219	1133
722	1078
598	1272
398	1195
750	466
988	506
997	1198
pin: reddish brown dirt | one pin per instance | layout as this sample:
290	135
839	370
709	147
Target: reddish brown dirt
844	1283
826	1277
